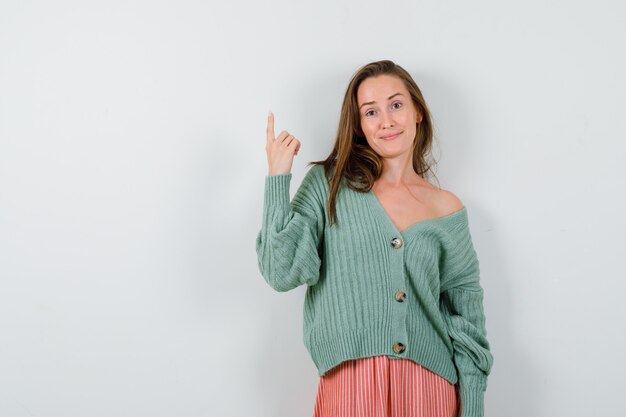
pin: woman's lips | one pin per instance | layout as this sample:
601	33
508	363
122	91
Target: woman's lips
390	137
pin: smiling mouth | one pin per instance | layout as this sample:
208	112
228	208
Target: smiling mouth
390	137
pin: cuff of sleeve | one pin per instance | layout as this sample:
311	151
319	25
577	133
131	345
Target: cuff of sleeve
277	189
472	399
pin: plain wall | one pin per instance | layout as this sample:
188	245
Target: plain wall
132	166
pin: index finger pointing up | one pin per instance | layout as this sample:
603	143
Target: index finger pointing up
270	127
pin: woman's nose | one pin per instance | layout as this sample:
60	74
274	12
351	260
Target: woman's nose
387	119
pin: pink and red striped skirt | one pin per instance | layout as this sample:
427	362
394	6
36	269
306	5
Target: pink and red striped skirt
378	386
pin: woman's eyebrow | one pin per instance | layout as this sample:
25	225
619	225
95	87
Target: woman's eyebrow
388	98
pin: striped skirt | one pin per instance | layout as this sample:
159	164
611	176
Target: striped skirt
379	386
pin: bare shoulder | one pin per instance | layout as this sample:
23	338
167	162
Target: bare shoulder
448	202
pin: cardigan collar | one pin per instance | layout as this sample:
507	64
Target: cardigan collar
407	233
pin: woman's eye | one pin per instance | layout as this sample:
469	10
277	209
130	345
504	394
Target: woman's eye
370	111
397	102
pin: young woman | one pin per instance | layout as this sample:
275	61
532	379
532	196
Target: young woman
393	314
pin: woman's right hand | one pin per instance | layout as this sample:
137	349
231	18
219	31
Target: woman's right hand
280	150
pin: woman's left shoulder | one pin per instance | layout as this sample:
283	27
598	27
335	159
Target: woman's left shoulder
448	202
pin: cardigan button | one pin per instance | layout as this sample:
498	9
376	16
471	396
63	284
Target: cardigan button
400	296
396	242
398	347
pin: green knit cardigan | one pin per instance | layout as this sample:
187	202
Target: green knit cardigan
373	290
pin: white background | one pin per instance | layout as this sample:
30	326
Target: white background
132	165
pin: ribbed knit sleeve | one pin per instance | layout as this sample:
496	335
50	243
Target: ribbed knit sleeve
461	304
288	243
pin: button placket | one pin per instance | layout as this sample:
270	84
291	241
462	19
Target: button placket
399	332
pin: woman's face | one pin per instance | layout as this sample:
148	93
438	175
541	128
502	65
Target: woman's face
388	115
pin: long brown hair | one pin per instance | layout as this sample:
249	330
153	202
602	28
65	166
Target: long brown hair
355	162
